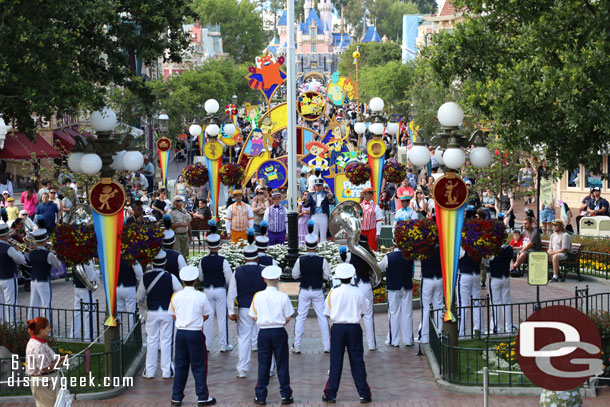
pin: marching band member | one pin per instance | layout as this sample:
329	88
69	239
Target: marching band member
318	203
271	310
277	216
345	305
262	242
363	280
215	274
130	276
158	286
175	259
499	289
399	285
191	310
239	218
405	212
42	261
84	296
314	272
10	258
431	293
470	286
372	217
245	282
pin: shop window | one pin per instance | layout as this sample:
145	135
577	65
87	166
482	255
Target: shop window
574	178
593	176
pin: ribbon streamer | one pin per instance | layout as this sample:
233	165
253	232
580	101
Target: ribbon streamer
164	165
449	224
376	166
108	230
214	179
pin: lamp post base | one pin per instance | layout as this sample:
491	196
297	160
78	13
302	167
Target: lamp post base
293	245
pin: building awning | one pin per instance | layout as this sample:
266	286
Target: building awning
19	147
63	141
73	131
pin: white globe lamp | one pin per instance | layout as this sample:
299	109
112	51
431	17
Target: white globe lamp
450	114
212	130
195	130
132	160
229	129
360	127
377	128
376	104
454	158
419	155
90	164
117	160
211	106
480	157
438	156
392	128
103	121
74	161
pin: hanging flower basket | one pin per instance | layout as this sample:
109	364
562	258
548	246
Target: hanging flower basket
195	175
394	172
141	243
74	244
416	238
482	238
231	174
358	173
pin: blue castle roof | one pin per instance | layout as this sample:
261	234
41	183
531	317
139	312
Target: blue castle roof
371	35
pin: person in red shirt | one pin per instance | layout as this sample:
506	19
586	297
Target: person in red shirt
517	244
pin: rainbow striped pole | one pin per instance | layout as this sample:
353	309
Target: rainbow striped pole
164	146
376	153
213	160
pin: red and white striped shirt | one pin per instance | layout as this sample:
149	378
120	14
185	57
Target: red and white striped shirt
372	215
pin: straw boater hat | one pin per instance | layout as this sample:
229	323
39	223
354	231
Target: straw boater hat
4	230
169	238
369	189
213	240
250	252
406	196
276	194
237	192
40	235
160	259
311	241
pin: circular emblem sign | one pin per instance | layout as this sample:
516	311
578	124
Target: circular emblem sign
450	192
164	144
107	197
212	150
274	173
558	348
375	148
310	105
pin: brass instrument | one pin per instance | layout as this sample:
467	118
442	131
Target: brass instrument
79	215
345	220
22	247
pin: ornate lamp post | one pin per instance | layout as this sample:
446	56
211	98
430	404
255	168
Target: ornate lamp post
450	194
107	154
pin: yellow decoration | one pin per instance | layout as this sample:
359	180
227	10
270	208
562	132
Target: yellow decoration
376	148
356	54
212	150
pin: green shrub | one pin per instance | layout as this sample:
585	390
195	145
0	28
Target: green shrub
15	337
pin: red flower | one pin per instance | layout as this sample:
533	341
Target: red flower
358	173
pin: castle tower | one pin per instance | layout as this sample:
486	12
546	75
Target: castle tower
325	8
307	6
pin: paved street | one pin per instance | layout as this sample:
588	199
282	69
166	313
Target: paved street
398	377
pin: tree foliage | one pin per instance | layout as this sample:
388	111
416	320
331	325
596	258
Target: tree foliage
391	82
241	26
183	96
537	69
371	54
388	16
59	56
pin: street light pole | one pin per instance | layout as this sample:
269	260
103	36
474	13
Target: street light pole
293	216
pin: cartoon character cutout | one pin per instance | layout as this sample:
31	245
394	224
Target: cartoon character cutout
256	139
270	173
269	69
335	144
318	150
267	126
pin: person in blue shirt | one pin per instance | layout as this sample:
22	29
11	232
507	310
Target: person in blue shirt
49	211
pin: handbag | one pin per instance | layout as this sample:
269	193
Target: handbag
64	398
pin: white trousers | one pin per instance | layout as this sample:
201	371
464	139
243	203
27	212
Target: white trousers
126	300
320	226
315	297
400	317
218	300
369	321
431	293
87	330
469	286
246	331
499	291
159	334
8	295
40	297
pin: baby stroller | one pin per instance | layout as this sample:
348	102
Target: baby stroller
180	156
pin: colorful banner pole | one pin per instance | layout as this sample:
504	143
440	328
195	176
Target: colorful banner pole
450	194
164	146
201	140
107	199
376	152
213	160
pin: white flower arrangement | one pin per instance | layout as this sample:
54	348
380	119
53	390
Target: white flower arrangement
495	361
